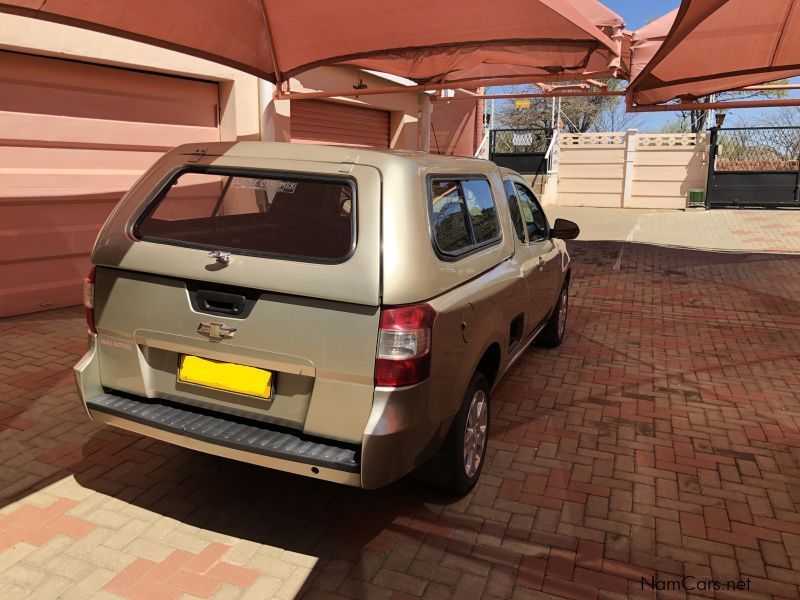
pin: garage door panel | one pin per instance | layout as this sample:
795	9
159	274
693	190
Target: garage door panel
70	210
32	157
82	103
335	119
352	128
43	284
73	138
322	136
39	181
359	143
34	84
53	242
56	131
319	122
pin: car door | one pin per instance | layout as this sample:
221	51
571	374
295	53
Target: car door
527	261
540	258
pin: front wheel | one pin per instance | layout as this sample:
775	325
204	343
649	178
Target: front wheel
465	450
553	333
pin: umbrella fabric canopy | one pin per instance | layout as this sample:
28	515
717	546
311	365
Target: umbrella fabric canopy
709	46
646	41
442	41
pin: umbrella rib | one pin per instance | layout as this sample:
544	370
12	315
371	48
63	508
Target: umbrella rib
659	83
271	41
590	46
666	47
778	41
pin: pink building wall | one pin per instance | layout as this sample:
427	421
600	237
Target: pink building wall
457	126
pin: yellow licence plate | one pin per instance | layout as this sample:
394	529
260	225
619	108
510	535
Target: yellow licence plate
225	376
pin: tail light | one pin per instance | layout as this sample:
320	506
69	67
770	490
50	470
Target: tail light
404	345
88	299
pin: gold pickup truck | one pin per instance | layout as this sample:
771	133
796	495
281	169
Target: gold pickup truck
335	312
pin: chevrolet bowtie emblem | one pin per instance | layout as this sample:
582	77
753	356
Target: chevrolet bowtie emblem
216	331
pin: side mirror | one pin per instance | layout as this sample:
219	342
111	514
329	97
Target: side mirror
565	230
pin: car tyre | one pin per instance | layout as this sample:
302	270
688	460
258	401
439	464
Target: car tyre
553	333
464	451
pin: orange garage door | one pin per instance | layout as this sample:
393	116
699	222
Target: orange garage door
319	122
73	138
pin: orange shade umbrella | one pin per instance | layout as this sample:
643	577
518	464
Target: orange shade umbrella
709	46
440	41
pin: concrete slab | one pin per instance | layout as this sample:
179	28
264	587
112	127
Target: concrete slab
727	230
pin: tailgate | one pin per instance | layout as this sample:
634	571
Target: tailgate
311	323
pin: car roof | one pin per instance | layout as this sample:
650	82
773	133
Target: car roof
335	153
506	171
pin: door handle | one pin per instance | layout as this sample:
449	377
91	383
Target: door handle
220	302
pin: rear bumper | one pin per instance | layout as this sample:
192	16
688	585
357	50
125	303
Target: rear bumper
398	435
224	435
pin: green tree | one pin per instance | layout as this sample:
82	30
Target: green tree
786	141
679	125
579	114
698	118
607	113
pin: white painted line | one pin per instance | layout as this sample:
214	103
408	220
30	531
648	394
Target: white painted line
636	228
619	259
628	238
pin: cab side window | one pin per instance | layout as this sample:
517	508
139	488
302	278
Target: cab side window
449	218
513	207
481	209
533	215
464	215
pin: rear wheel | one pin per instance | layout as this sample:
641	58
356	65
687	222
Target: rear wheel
553	333
464	451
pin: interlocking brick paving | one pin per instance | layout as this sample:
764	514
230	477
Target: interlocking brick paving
37	526
201	574
662	440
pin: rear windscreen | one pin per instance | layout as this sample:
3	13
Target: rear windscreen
291	217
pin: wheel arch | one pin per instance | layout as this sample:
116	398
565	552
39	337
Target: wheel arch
489	363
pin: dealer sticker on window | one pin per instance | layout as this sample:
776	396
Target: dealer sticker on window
269	185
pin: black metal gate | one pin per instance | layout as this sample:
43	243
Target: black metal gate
523	150
754	167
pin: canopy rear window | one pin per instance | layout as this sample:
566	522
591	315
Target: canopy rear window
297	218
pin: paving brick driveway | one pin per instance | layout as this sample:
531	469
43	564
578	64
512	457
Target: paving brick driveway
661	440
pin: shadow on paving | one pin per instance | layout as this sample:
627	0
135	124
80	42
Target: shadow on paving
662	439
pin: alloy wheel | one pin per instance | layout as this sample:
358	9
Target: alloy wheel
475	434
562	312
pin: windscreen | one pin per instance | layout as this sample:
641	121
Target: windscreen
281	216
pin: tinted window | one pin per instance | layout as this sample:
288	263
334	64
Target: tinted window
449	217
513	206
482	211
284	216
464	214
532	214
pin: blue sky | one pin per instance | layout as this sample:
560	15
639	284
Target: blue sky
638	12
